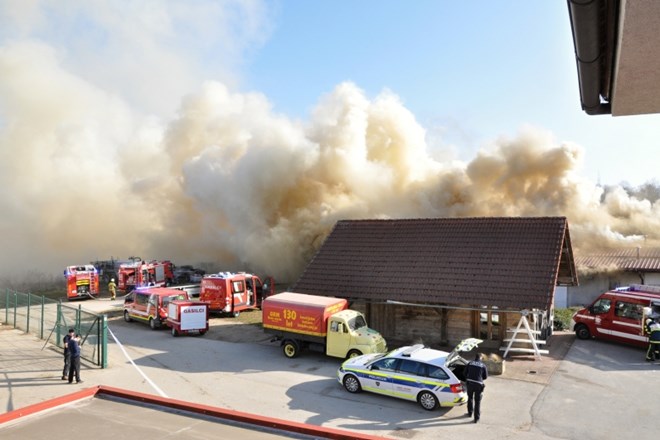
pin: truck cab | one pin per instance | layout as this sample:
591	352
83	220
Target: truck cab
348	335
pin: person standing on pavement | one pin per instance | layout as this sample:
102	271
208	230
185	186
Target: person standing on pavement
475	374
653	330
67	355
112	287
74	352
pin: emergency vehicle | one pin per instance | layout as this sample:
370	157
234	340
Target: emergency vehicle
228	292
141	273
81	281
618	315
188	317
150	304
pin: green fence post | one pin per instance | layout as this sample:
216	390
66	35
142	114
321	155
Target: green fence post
7	305
57	322
27	325
104	343
15	307
41	320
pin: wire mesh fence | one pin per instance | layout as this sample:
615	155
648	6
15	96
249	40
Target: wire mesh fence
51	320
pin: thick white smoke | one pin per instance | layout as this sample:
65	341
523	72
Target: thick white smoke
89	170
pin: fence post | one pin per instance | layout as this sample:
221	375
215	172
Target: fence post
57	322
104	338
41	320
27	324
15	307
7	305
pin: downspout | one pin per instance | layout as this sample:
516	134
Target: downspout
593	23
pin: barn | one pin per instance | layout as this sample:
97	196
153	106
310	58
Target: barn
437	281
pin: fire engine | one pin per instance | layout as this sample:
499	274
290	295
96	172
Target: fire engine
142	273
232	293
81	281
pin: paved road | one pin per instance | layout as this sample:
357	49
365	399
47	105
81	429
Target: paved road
589	396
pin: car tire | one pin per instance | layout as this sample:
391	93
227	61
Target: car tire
582	332
127	317
352	384
291	349
174	332
353	353
154	323
427	400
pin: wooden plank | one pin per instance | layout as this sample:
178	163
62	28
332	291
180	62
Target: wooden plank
526	341
525	350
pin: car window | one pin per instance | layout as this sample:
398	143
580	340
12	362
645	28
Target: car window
628	310
387	364
602	306
408	366
435	372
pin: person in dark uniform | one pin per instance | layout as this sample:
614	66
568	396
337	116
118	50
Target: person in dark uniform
67	356
652	328
74	352
475	374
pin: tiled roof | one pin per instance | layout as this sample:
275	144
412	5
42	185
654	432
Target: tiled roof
637	259
504	262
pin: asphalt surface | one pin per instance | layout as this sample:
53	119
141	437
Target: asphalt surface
583	389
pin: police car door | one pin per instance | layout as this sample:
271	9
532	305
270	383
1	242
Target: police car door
407	382
378	377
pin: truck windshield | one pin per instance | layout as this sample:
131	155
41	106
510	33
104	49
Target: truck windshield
357	322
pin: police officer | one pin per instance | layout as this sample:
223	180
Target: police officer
475	374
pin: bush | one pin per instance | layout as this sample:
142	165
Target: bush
563	318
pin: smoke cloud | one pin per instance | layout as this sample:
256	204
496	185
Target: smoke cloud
93	167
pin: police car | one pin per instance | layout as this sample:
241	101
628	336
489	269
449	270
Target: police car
430	377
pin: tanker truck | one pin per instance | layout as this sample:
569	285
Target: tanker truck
318	323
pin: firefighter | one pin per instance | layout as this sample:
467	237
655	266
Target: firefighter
112	287
653	330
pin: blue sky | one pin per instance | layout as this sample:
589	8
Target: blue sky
469	71
240	131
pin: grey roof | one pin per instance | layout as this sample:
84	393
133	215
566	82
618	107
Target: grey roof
510	262
636	259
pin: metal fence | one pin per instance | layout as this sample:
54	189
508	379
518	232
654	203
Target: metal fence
50	320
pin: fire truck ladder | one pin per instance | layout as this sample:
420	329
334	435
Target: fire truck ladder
531	338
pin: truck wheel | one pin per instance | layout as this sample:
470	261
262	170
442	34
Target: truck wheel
352	384
353	353
174	332
154	323
582	332
127	317
291	349
236	314
427	400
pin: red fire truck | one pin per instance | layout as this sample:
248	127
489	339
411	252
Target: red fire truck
228	292
142	273
81	281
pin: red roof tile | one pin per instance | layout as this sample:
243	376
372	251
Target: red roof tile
494	261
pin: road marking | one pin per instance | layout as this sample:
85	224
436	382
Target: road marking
155	387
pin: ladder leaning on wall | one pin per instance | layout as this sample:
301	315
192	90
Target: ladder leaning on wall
530	338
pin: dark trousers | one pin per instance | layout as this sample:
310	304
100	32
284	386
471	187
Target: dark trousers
653	353
74	369
67	363
475	391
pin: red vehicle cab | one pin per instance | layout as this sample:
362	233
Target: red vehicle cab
618	315
81	281
150	304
